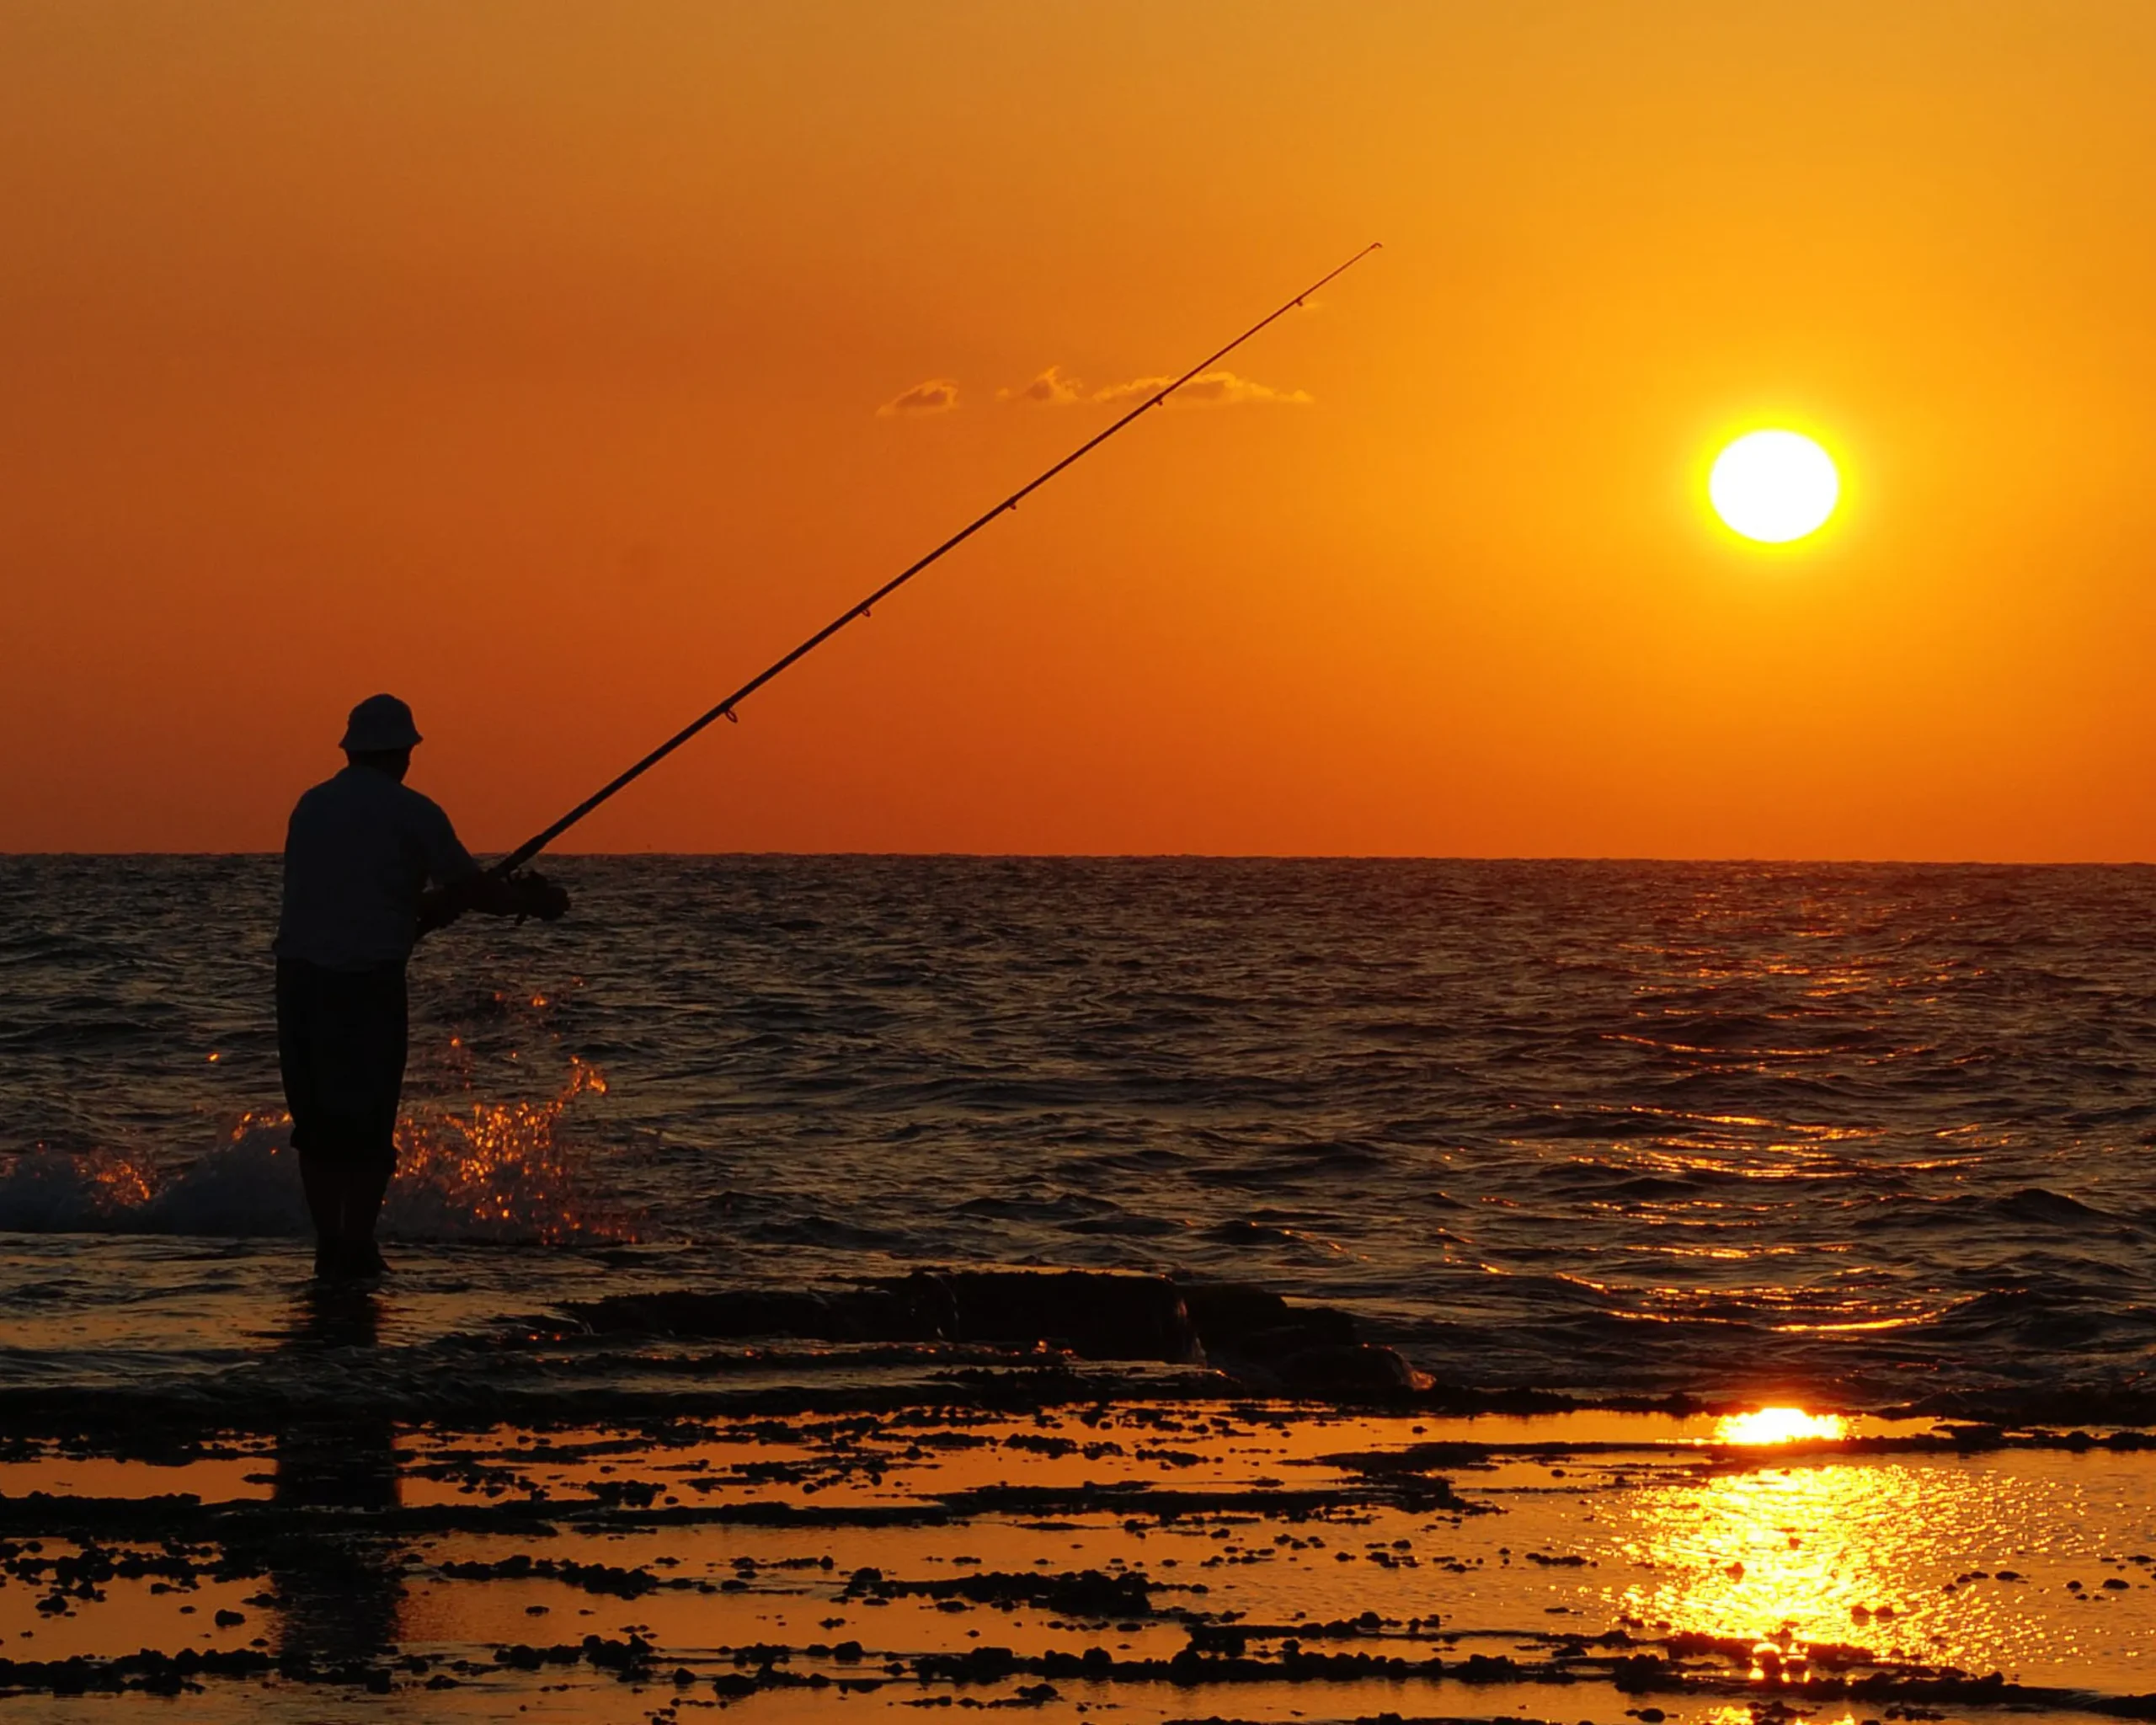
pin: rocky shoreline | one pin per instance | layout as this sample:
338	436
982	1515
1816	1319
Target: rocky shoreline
1251	1558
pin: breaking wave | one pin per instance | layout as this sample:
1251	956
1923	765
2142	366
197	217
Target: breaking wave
497	1172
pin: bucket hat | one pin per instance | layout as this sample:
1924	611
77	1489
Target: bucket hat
381	721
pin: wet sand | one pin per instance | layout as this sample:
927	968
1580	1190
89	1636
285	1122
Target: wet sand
1142	1561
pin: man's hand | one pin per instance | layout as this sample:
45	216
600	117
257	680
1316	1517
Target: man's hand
525	894
533	894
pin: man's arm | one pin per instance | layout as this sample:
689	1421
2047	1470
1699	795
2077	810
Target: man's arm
461	885
522	895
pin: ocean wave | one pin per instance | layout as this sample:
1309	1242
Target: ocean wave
1881	1131
496	1172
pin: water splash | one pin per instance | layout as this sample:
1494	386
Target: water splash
51	1191
494	1172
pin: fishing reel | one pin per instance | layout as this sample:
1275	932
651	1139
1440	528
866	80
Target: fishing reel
533	894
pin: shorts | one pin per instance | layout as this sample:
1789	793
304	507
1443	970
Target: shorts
340	1045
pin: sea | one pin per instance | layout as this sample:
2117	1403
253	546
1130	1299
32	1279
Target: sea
1871	1136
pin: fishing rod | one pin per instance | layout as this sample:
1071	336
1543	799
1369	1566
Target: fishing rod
539	841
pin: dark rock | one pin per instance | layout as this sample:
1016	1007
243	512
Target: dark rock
1098	1315
1358	1370
1088	1593
846	1315
1244	1319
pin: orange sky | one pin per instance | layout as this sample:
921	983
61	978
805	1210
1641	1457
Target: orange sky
525	359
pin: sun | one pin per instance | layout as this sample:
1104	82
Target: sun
1773	486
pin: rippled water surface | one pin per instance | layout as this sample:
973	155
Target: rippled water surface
1876	1132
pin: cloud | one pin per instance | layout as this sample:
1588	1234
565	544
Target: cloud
1050	389
1053	388
938	395
1208	389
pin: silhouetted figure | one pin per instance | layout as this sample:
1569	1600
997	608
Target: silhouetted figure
369	866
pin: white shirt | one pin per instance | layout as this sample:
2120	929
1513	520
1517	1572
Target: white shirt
360	851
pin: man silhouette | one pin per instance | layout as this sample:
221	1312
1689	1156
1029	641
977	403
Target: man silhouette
369	866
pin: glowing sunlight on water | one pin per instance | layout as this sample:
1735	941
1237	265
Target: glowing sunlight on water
1779	1425
1786	1557
1936	1560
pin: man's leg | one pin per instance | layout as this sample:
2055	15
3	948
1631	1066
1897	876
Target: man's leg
299	1058
323	1181
341	1042
379	1040
364	1182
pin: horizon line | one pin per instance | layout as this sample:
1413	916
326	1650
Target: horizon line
1612	858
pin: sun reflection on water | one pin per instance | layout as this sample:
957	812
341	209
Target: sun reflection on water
1785	1567
1779	1425
1789	1558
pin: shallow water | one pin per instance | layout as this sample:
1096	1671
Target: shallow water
1156	1563
1867	1134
